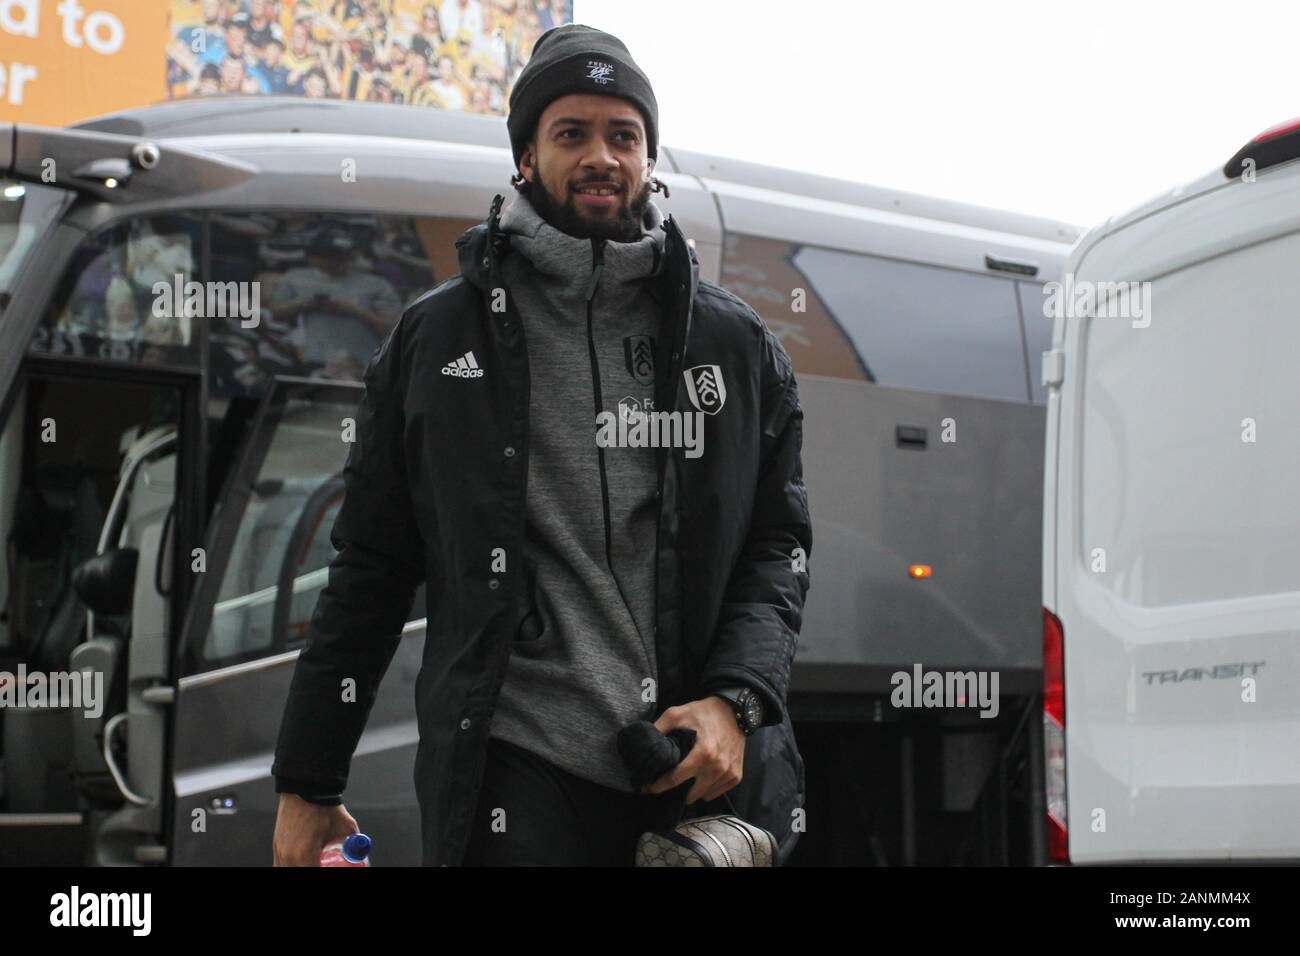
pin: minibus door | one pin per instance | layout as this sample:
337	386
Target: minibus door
267	559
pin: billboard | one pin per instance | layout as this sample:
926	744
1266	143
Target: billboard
65	60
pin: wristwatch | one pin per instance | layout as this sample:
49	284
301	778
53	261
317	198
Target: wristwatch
747	705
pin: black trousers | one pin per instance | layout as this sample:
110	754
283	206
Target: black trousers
545	816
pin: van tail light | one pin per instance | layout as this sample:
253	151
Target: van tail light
1277	144
1058	850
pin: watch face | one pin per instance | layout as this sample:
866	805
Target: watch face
753	710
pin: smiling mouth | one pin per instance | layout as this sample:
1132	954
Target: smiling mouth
597	189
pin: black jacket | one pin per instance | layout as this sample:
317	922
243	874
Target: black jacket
435	482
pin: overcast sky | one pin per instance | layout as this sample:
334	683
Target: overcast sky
1070	110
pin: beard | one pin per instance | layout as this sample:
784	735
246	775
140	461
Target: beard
566	217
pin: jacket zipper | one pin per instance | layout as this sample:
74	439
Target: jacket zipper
598	264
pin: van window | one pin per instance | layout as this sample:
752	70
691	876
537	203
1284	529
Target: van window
118	302
1189	451
26	211
279	560
329	287
867	318
761	272
923	327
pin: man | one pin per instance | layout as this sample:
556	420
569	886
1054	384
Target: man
209	81
301	57
449	89
262	25
315	85
574	585
195	46
333	305
271	72
236	45
235	79
429	38
413	86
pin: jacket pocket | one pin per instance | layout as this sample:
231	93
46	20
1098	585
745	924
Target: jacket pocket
532	635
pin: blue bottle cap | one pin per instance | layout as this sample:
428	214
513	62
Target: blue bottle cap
356	848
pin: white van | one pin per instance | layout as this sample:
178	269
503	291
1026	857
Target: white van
1171	531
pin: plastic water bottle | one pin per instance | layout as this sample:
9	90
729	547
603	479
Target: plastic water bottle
354	851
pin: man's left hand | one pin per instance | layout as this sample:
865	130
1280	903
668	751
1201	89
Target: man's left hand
717	759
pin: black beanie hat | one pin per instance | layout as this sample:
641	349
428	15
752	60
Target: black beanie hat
575	58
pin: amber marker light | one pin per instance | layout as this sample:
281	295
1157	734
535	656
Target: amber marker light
919	571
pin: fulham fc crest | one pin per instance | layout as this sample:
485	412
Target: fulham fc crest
639	354
705	389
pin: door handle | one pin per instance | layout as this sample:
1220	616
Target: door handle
118	779
909	436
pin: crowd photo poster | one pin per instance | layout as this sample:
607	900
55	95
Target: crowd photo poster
67	60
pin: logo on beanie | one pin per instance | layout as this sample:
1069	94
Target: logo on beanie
602	73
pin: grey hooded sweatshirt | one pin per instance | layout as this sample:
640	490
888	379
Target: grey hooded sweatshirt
583	665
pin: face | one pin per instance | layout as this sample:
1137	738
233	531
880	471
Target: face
257	9
314	86
419	68
235	38
586	141
232	74
271	54
300	38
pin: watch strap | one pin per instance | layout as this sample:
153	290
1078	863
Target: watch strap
735	696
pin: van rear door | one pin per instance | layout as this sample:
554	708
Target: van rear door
1177	549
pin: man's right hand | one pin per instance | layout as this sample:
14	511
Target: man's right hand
303	829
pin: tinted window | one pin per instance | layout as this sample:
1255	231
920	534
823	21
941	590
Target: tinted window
762	272
917	326
26	210
279	561
328	288
111	307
